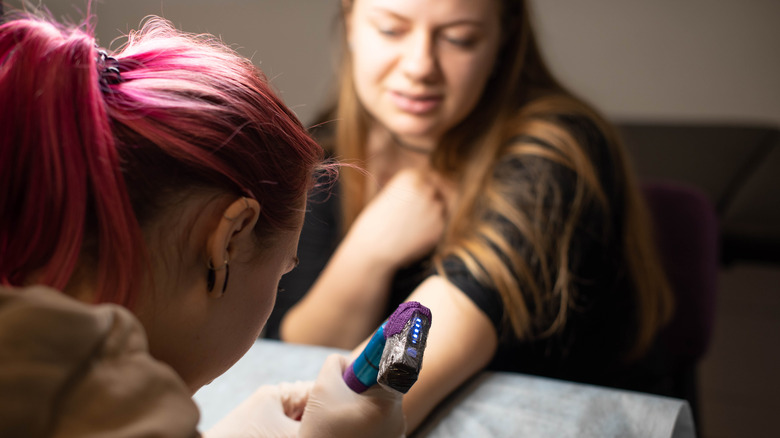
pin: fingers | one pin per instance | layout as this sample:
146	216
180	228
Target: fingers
294	397
383	396
334	364
436	186
263	414
334	410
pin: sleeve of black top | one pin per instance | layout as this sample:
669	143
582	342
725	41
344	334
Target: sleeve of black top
524	174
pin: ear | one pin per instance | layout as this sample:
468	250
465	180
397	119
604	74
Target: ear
234	230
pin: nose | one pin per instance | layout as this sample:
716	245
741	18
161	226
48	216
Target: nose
420	61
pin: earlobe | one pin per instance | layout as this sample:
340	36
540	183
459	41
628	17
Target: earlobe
232	233
211	279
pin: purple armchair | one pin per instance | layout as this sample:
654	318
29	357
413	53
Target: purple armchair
686	232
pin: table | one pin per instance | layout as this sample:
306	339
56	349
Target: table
493	404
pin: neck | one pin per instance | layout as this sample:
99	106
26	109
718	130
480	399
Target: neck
386	156
422	150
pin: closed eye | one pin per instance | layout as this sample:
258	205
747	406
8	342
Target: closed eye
388	31
461	42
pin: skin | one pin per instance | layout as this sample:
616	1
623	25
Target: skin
420	66
417	79
200	333
354	285
187	326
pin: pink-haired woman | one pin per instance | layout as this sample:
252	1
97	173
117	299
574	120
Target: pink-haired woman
151	201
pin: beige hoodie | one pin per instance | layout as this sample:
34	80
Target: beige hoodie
69	369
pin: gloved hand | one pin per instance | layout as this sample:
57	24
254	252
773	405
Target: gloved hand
335	411
271	412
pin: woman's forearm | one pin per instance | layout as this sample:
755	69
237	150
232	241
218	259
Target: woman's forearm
346	302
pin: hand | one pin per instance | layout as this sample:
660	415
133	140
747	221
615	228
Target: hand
404	221
334	410
271	412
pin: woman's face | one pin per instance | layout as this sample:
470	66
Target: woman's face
200	336
240	315
420	66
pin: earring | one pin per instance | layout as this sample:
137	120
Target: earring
211	276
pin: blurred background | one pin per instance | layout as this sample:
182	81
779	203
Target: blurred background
694	87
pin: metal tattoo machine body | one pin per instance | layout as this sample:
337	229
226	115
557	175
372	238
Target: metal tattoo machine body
394	354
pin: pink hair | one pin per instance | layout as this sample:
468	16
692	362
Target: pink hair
83	170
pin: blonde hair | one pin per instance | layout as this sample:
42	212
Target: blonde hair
521	99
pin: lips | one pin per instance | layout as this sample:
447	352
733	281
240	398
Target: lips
416	103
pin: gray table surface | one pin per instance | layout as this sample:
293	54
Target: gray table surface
490	405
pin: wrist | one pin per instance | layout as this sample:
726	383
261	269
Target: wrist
370	255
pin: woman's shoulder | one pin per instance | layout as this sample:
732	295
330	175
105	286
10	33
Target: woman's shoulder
548	127
86	363
39	311
561	140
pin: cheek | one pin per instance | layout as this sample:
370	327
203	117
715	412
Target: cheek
267	302
371	60
366	82
468	78
254	302
262	303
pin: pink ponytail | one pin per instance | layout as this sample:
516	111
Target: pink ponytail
59	168
83	169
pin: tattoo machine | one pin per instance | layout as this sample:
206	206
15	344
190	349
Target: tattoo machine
394	354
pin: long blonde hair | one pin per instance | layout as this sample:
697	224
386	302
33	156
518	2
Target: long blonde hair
521	99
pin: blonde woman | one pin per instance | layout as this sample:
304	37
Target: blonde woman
491	194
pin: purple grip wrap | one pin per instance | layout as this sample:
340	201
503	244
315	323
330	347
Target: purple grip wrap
400	373
395	324
352	381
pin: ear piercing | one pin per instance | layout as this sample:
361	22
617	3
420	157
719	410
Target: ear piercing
211	276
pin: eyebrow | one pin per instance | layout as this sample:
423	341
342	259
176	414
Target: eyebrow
462	21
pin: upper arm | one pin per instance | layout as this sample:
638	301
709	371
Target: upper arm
462	341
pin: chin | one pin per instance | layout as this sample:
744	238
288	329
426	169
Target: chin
424	136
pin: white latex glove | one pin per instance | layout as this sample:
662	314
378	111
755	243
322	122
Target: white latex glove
334	411
271	412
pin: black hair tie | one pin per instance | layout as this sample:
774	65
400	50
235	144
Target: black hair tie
109	71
